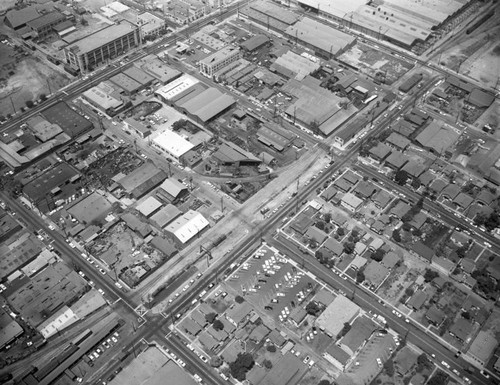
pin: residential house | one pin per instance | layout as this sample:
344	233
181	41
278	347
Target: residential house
380	152
423	251
398	141
443	265
351	202
417	300
382	199
435	316
461	329
396	160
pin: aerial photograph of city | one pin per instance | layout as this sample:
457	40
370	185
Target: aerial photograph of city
255	192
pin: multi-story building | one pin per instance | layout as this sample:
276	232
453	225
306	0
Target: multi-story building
101	46
218	60
42	26
185	11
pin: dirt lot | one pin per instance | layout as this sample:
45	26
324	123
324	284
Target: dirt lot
31	78
478	56
372	62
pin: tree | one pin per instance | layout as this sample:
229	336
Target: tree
407	217
320	225
417	232
210	317
415	183
409	291
239	299
429	275
11	186
348	247
389	367
43	97
466	315
313	308
345	329
439	378
243	363
406	226
401	177
271	348
327	217
378	255
314	126
29	103
340	231
179	124
324	382
218	325
216	361
396	235
360	276
268	364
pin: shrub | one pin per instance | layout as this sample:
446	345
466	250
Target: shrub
239	299
271	348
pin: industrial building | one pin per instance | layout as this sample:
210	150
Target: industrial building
207	105
401	22
153	66
175	87
43	26
142	180
56	183
106	97
187	226
70	121
270	15
294	66
172	144
326	41
108	43
218	60
17	19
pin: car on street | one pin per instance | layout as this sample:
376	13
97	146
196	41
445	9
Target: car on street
102	271
306	359
445	364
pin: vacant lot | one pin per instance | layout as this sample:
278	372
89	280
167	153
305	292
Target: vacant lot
30	79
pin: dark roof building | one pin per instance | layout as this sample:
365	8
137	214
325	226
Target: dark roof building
70	121
254	43
480	98
417	300
380	152
422	251
461	329
435	316
396	160
397	141
142	180
17	19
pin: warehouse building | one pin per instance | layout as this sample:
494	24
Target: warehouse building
172	144
17	19
106	97
187	226
176	87
142	180
108	43
401	22
43	26
207	105
294	66
153	66
326	41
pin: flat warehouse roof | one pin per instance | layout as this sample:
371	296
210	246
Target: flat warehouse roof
176	86
70	121
173	143
125	82
320	35
102	99
102	37
335	8
208	104
49	180
138	75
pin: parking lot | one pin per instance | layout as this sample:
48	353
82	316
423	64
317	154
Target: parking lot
272	283
370	360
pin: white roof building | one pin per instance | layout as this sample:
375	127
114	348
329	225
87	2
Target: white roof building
174	88
340	311
172	143
187	226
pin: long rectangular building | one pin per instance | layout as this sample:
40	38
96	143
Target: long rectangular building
218	60
106	44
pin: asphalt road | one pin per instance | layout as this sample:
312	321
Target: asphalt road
365	299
